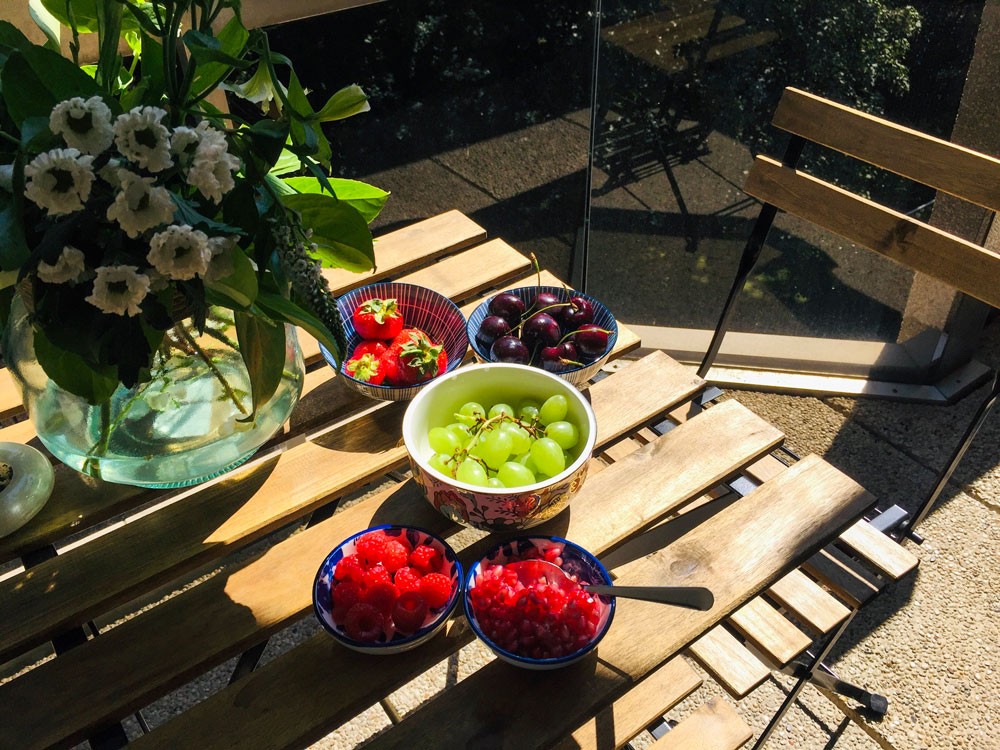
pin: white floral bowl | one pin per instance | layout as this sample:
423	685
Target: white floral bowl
487	508
389	641
574	560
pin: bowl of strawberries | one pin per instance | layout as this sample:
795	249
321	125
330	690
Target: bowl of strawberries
387	589
399	338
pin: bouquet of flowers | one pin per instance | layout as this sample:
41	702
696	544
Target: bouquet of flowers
130	202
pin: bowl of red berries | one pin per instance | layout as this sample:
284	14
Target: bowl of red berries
387	589
399	338
529	622
565	332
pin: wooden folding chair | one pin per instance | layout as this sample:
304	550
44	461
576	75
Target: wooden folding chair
961	172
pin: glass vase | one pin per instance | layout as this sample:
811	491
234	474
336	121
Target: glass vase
184	426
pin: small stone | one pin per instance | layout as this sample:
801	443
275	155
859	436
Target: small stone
6	475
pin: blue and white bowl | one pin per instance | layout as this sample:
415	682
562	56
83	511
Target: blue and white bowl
575	375
576	561
390	642
422	308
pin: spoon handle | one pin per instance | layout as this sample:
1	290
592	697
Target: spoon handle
694	597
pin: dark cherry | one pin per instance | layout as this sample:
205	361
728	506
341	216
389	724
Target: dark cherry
546	300
492	328
558	358
591	340
510	349
578	312
540	329
508	306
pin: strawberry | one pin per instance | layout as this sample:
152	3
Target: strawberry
413	358
378	319
365	362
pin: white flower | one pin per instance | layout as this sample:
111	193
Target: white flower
204	153
141	138
59	180
220	265
119	290
110	172
7	177
69	267
139	205
83	124
179	252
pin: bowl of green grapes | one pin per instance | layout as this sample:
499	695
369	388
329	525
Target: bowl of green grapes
498	446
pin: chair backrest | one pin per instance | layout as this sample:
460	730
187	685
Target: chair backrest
959	171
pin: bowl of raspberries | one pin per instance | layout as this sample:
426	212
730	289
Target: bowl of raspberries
534	625
387	589
399	338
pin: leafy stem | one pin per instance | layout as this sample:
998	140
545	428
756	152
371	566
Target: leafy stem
203	355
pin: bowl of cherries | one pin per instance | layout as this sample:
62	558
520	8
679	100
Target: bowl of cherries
565	332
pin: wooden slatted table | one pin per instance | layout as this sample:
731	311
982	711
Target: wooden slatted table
196	592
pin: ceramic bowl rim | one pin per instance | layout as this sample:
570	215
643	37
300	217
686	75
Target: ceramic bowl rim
527	660
569	471
414	637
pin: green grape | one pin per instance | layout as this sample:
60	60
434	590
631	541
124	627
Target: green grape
501	408
495	447
554	409
528	410
471	472
513	474
548	456
495	483
461	432
441	463
564	433
470	413
520	439
443	440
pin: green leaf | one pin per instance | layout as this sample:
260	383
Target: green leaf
11	36
206	49
231	40
48	23
259	89
340	232
267	137
240	287
188	213
154	80
73	373
367	199
280	308
36	79
349	101
301	108
287	162
14	249
262	346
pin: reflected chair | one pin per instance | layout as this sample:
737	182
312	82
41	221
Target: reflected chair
967	267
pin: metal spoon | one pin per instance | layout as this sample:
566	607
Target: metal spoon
539	571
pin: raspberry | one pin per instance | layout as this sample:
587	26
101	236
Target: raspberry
402	539
376	574
371	547
406	579
394	555
349	568
364	623
381	595
346	594
436	589
426	559
409	612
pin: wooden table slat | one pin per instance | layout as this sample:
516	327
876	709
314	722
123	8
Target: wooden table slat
809	602
730	662
714	724
630	714
878	549
283	703
154	652
769	631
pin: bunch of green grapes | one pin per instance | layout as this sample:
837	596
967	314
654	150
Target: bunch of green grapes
504	447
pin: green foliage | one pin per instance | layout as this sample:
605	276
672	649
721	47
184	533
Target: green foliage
90	351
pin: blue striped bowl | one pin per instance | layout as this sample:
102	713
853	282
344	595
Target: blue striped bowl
422	308
575	375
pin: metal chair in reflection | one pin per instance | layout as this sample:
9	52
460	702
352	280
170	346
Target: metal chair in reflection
946	167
